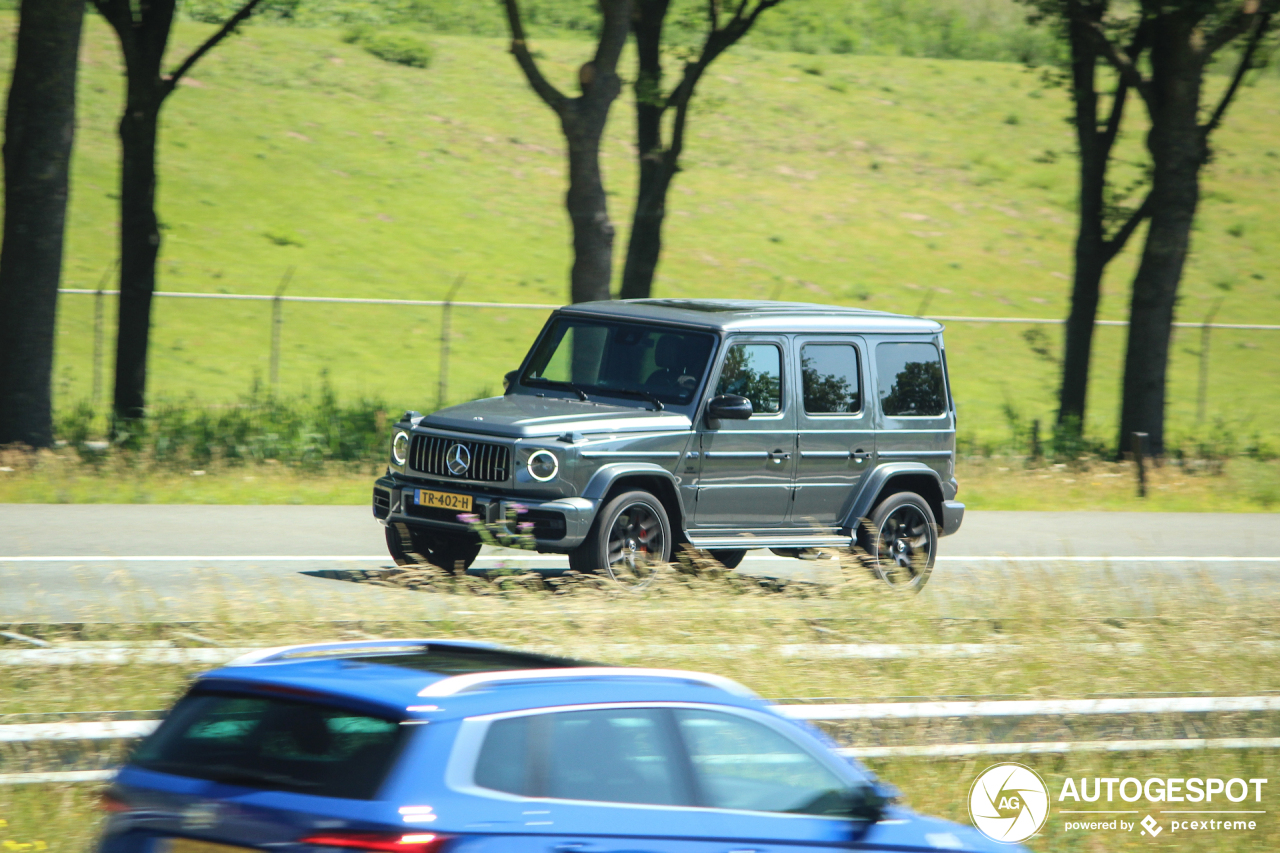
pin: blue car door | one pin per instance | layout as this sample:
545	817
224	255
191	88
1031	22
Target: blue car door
654	780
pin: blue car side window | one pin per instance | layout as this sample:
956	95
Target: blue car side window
742	764
617	755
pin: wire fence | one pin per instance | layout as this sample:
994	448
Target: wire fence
446	305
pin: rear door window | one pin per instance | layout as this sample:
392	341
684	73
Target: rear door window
910	380
274	744
832	381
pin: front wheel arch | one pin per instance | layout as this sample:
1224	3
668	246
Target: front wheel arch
607	484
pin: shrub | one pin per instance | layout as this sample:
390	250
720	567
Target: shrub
398	46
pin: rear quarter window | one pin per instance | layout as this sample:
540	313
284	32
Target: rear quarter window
274	744
910	380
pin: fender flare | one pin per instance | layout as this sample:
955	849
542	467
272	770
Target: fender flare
878	479
606	475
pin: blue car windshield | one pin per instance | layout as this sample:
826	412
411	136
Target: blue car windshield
658	364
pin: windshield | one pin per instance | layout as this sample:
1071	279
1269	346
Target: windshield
273	744
595	357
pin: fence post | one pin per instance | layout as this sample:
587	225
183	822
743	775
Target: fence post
1139	447
445	312
277	320
1202	387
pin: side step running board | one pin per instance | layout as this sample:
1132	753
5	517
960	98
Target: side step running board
705	542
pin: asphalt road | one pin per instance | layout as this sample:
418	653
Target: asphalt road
124	562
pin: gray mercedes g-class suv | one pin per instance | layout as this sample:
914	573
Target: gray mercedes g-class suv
636	426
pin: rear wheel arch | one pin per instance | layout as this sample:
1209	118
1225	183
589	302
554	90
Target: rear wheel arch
887	481
926	486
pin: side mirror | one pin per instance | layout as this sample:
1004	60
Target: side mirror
508	379
729	407
866	805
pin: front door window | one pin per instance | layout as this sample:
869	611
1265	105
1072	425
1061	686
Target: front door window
754	371
745	765
744	482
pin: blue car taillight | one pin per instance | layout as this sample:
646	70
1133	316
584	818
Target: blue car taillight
111	803
414	842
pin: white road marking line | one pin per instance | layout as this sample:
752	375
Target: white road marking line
986	558
58	777
110	730
1029	708
86	654
958	750
940	750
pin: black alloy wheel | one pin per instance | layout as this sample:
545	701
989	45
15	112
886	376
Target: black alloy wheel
448	551
630	539
902	541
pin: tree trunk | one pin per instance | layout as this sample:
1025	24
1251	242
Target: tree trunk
583	123
39	129
1176	144
139	246
644	246
1077	347
1089	258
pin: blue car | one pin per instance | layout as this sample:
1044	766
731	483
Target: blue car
426	746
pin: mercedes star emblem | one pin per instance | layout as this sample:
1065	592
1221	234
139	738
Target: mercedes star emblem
458	458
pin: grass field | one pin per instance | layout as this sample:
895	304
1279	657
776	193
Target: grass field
891	183
1064	633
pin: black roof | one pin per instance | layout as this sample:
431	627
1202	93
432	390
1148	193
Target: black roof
758	316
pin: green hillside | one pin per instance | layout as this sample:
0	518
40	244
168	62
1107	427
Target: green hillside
883	182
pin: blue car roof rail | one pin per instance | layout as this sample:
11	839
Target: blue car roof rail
355	648
456	684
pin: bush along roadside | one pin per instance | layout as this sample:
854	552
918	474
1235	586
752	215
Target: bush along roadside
403	47
261	427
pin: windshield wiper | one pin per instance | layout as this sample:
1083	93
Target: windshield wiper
233	775
644	395
556	383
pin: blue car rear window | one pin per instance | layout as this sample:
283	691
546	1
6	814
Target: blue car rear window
274	744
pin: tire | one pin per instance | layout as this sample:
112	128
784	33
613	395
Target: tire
446	551
630	538
730	558
901	541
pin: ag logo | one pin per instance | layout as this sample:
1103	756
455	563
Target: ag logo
1009	802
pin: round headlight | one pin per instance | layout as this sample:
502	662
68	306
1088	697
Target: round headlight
400	447
543	465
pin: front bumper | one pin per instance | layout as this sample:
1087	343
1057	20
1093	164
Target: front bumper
559	525
952	516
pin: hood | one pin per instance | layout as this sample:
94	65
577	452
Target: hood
527	416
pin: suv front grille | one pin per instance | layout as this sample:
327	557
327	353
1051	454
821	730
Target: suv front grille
489	463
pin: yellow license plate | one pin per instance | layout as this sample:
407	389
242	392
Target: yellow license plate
444	500
191	845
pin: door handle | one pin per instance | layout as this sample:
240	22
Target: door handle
859	455
779	456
